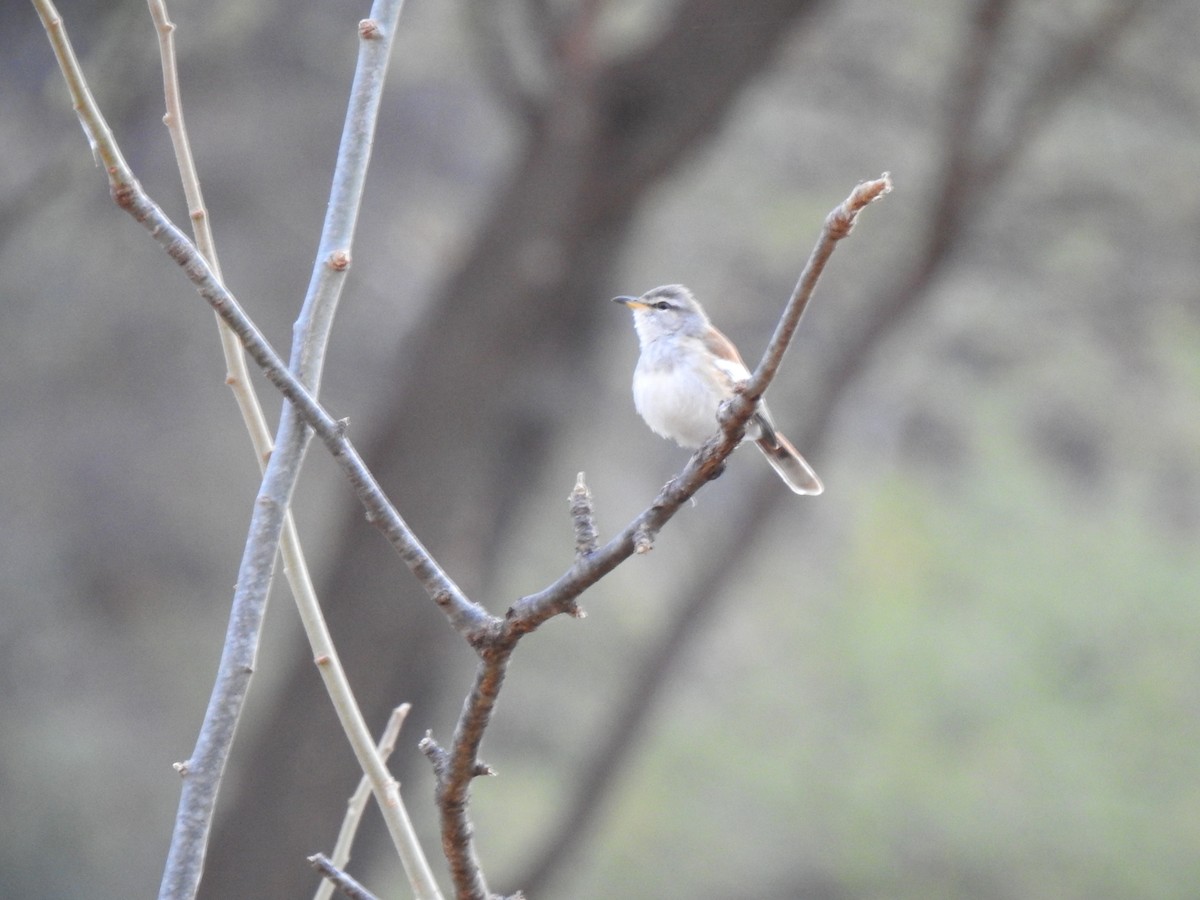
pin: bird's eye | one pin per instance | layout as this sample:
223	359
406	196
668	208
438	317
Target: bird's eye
662	304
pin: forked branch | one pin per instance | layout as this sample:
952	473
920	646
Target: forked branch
493	638
457	766
129	195
204	769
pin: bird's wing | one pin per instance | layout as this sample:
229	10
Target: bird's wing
728	359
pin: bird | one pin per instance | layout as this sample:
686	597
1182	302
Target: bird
687	369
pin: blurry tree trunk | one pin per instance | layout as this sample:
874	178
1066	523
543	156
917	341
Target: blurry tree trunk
480	391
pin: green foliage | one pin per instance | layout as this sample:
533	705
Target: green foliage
996	702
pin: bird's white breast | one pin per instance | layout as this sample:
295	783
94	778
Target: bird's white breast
677	397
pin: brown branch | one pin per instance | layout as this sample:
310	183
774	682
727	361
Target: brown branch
838	225
647	677
967	173
457	767
547	244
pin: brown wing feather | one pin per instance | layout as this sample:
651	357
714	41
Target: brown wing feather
783	457
722	347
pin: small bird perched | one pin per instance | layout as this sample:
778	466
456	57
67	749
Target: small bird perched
687	369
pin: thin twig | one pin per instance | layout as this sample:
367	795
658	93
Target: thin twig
335	877
237	375
357	804
457	767
295	566
465	615
494	639
311	334
646	674
203	771
530	611
838	225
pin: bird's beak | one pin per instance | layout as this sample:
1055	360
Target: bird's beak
631	302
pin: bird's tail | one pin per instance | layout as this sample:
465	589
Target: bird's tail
789	464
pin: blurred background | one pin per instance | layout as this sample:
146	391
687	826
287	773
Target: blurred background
970	668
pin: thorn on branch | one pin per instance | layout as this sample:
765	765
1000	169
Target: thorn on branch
343	425
182	768
587	538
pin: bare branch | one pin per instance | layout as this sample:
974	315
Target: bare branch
339	879
129	195
494	639
964	168
530	611
838	225
457	767
586	537
237	375
203	771
295	566
571	192
357	804
311	336
647	677
465	615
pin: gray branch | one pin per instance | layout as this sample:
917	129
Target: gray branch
346	885
204	770
493	638
458	766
